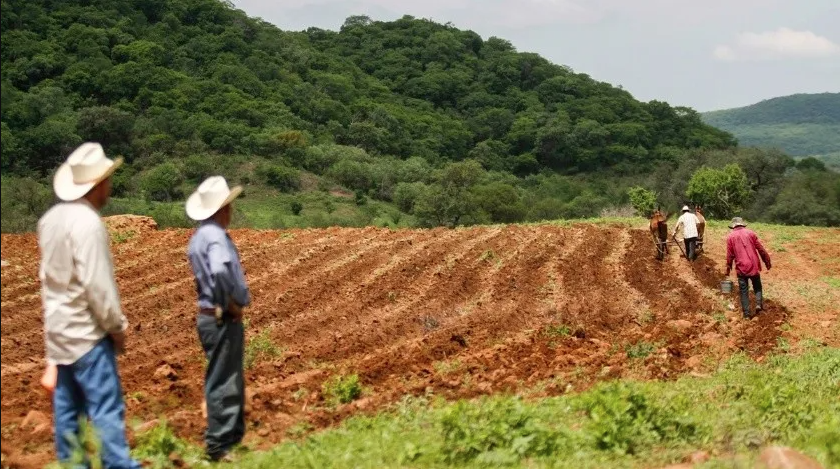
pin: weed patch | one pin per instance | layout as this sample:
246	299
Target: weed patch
640	349
260	348
342	389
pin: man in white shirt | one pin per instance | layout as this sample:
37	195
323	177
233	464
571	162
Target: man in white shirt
688	221
84	325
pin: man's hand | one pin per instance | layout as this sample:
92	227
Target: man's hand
119	342
235	310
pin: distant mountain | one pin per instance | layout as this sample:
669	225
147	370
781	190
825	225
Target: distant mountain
800	124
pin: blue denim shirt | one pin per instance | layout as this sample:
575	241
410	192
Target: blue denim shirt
215	263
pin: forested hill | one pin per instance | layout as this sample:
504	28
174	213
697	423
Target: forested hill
156	80
800	124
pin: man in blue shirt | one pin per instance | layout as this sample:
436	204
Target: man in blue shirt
222	294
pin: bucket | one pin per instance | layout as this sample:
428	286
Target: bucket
726	286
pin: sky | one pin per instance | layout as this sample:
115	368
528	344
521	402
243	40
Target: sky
706	54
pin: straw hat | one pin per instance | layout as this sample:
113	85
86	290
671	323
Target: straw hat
737	221
685	208
86	167
211	195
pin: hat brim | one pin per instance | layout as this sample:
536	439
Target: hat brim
733	226
198	212
68	191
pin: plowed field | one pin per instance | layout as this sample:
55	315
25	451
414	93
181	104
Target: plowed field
536	309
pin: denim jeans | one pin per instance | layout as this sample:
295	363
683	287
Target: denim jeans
745	293
224	383
91	388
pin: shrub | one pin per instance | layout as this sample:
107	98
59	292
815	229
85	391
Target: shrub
406	193
342	389
283	178
23	200
162	183
296	207
198	168
722	192
642	200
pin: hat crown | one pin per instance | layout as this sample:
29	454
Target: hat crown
88	162
213	191
685	208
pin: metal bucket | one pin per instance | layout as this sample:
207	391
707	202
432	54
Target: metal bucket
726	286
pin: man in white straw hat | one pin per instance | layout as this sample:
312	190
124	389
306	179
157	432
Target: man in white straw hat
744	249
220	283
83	322
688	222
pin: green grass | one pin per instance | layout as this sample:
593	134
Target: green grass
833	282
744	406
262	208
789	400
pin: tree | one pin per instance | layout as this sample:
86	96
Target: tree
722	192
501	202
810	164
450	200
283	178
762	167
642	200
162	183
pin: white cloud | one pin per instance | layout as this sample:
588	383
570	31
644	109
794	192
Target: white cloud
783	43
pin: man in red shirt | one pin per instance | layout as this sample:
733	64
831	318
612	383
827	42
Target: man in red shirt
743	247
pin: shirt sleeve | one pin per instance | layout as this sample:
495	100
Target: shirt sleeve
96	273
761	251
227	283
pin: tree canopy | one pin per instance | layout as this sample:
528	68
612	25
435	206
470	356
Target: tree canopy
184	76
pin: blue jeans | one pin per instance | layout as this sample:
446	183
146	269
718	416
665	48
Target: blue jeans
90	387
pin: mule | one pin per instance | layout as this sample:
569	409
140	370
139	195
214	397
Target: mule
659	232
701	226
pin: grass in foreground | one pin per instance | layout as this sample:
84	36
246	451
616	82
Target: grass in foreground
790	400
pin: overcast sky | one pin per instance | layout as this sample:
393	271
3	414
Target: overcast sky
707	54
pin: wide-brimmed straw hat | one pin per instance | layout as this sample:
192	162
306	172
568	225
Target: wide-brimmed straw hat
737	221
211	195
86	167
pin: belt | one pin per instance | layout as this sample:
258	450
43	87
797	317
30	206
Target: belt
207	311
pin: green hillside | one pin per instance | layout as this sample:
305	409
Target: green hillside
397	123
800	125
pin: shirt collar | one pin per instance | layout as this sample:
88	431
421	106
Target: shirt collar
212	222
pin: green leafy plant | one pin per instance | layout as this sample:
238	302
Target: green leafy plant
342	389
260	348
640	349
494	431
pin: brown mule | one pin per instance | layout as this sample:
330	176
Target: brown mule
659	232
